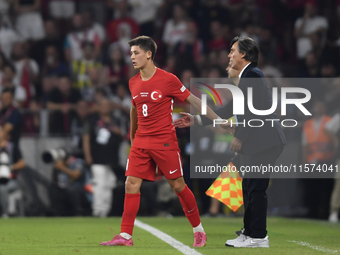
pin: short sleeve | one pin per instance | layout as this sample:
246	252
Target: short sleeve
178	90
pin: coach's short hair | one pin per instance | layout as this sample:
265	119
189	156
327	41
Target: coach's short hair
145	43
249	47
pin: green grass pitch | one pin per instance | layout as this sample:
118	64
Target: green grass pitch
81	236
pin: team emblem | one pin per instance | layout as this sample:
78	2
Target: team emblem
156	95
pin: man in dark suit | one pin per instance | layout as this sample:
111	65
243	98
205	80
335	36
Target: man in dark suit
260	145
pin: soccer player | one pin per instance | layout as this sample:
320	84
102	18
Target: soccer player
153	139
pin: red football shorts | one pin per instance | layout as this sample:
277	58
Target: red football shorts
142	163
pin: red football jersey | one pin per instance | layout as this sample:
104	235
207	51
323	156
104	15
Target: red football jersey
154	103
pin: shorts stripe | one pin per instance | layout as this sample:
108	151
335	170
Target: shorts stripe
180	163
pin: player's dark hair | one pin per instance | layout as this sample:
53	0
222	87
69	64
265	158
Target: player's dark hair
249	47
145	43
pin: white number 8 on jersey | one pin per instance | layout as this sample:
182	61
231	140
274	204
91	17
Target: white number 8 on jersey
145	110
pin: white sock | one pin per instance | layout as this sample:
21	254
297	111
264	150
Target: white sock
199	228
126	236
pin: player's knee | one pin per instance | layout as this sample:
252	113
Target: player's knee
177	186
131	187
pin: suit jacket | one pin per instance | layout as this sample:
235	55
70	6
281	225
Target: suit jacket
254	139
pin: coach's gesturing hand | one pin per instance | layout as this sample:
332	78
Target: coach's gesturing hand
236	145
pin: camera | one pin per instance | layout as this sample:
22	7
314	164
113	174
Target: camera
53	155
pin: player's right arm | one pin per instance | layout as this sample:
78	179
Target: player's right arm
133	121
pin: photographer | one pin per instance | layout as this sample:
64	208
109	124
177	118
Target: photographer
10	117
67	192
101	141
10	163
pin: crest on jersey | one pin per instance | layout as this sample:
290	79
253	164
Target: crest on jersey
156	95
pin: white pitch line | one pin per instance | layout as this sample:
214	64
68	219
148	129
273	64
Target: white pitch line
185	249
318	248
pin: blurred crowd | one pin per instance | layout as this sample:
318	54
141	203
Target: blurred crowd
71	58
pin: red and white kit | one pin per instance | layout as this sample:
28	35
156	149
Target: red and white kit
155	143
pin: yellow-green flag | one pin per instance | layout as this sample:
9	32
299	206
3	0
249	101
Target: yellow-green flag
227	188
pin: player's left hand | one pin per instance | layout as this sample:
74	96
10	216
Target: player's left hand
186	121
236	145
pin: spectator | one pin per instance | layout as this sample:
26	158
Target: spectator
170	64
175	28
122	105
100	94
307	25
11	158
52	65
62	9
97	84
223	59
67	192
211	10
192	46
48	84
124	36
5	6
10	117
317	148
77	125
78	37
52	39
116	70
121	16
97	8
328	70
7	82
311	68
81	69
186	76
89	24
268	69
27	70
331	130
62	100
32	118
268	44
3	62
8	37
217	42
144	12
101	140
29	21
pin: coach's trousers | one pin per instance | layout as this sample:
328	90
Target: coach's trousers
104	181
254	193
